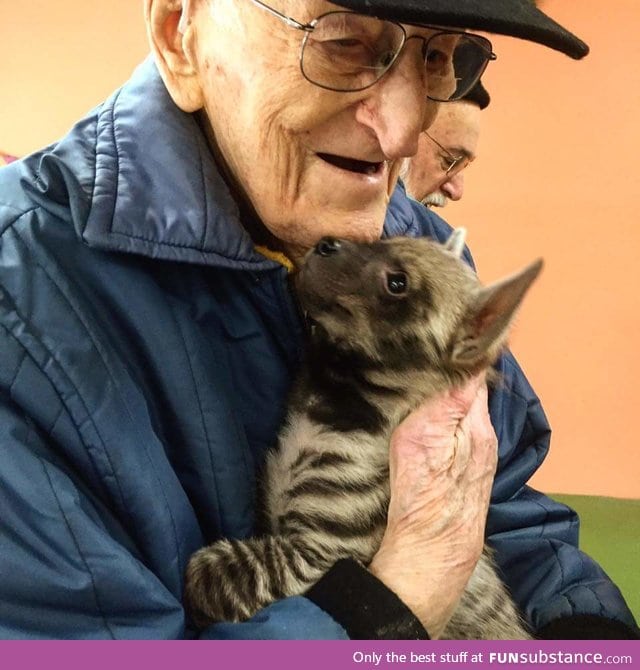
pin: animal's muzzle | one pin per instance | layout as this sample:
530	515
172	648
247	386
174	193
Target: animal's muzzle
327	246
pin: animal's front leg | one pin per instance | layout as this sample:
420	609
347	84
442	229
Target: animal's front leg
231	580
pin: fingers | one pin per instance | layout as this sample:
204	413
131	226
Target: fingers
467	395
435	421
484	454
438	458
474	432
435	424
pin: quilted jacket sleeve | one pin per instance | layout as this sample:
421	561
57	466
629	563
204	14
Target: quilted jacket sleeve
64	573
70	568
563	592
95	525
95	528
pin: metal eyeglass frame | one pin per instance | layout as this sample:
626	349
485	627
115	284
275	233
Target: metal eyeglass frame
454	159
308	28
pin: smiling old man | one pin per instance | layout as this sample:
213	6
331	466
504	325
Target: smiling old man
150	335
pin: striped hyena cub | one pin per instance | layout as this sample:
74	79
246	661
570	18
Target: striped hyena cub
393	322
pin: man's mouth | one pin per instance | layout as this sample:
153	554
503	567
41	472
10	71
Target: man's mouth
352	164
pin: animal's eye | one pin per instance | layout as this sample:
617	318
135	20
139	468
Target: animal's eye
397	283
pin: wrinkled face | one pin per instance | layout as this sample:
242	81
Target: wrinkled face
366	295
457	129
312	162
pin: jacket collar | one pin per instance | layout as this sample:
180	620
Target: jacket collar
157	191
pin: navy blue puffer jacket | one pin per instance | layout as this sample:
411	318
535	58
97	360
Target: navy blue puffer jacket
146	350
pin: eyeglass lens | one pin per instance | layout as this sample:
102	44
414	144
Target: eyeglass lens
350	52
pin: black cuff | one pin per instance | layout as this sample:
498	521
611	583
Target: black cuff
363	605
587	627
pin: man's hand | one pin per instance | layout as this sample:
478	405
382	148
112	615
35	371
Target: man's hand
442	462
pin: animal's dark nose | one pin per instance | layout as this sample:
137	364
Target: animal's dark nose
327	246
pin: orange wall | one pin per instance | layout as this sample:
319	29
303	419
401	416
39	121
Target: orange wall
557	177
59	59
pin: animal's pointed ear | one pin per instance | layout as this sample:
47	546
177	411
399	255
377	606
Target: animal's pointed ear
485	325
455	243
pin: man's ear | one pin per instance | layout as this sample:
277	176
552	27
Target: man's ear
484	328
172	38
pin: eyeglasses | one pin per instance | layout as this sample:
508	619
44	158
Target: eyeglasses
345	51
451	164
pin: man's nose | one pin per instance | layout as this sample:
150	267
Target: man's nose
453	188
396	108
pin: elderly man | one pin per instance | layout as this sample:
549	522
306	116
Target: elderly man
435	174
149	335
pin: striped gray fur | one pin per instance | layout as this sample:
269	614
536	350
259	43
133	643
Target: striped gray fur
394	323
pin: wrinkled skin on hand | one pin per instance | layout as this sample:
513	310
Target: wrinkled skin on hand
443	458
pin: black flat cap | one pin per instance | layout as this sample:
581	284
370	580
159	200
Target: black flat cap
517	18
